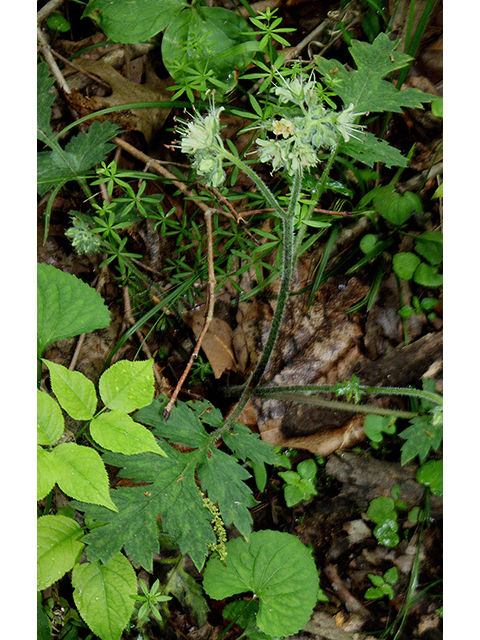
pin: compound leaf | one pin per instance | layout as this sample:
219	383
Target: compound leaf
75	393
278	569
46	472
116	431
66	307
421	436
81	474
127	386
183	426
58	547
104	595
50	422
132	21
223	478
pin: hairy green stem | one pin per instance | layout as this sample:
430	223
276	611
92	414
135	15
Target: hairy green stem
288	261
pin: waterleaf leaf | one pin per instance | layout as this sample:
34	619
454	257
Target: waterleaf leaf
278	569
188	592
133	21
370	150
421	436
127	385
431	475
58	547
116	431
404	264
81	474
104	595
80	155
249	446
375	426
46	472
427	275
50	422
222	477
66	307
183	426
74	391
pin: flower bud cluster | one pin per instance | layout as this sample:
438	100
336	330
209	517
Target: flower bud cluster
308	128
201	138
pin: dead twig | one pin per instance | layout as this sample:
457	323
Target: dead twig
93	77
209	317
48	9
50	60
352	604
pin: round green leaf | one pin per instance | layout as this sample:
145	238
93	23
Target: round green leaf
104	595
127	386
58	547
308	469
394	207
280	572
46	472
404	264
81	474
386	533
431	251
427	275
368	242
75	393
117	431
57	22
431	475
50	422
381	509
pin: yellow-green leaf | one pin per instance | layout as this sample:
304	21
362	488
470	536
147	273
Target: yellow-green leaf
58	546
50	422
75	393
118	432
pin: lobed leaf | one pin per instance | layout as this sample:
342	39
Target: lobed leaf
127	386
75	392
280	572
116	431
104	595
81	474
249	446
50	422
58	547
421	436
66	307
183	426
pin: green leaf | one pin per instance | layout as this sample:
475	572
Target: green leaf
50	422
394	207
370	150
188	592
387	533
127	386
104	595
222	477
45	100
209	37
249	446
80	155
421	436
376	425
81	474
427	275
381	509
404	264
116	431
75	393
66	307
431	250
365	87
391	575
133	21
182	426
58	547
431	475
46	472
278	569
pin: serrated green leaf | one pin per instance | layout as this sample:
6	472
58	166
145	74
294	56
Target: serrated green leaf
104	595
173	493
421	436
116	431
370	150
223	478
365	87
133	21
280	572
80	155
427	275
376	425
46	472
50	422
431	475
81	474
404	264
188	592
182	426
249	446
127	386
58	547
75	393
66	307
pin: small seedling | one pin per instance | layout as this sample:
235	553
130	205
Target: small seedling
382	585
150	600
300	485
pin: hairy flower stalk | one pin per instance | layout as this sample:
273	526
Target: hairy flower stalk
305	127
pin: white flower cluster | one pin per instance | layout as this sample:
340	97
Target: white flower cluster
311	127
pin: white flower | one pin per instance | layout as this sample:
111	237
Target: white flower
202	133
283	127
345	124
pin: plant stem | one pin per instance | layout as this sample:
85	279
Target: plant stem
288	261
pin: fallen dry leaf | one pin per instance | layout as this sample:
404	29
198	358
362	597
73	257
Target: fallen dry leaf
217	343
